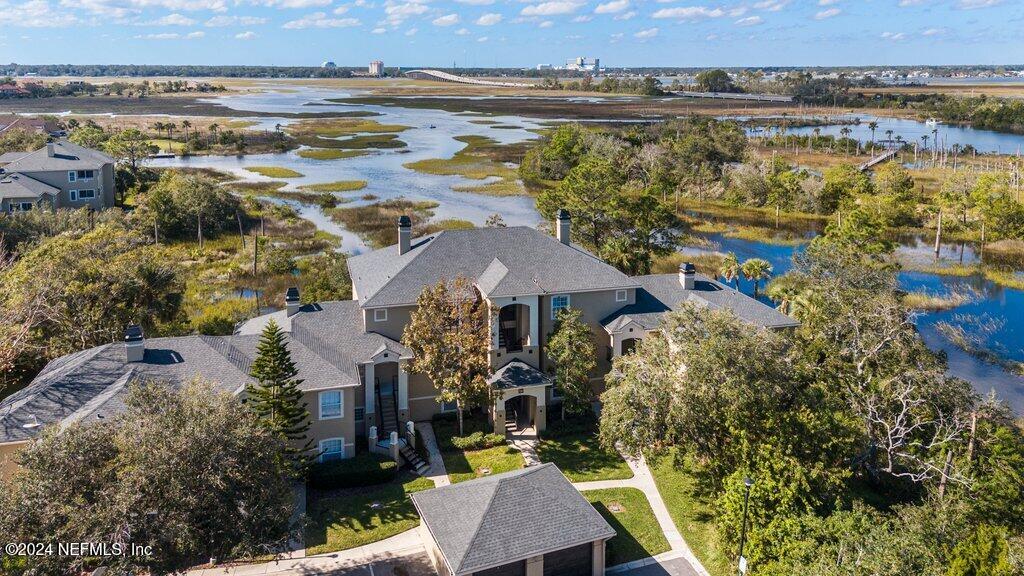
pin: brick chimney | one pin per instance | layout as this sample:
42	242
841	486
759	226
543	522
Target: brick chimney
687	275
404	234
134	343
563	226
292	303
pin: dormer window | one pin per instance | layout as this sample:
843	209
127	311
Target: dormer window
380	315
621	296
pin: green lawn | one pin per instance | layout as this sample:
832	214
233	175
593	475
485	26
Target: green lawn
637	532
330	153
274	171
691	515
580	456
343	519
470	464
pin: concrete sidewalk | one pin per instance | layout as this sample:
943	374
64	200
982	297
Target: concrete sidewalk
437	473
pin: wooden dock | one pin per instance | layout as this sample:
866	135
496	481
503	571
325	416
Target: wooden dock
888	155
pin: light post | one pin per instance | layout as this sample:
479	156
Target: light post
743	530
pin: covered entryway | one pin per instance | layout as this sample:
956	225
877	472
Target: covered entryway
514	327
520	392
628	345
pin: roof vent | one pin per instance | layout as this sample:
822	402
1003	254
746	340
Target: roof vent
687	275
292	302
33	422
134	343
563	226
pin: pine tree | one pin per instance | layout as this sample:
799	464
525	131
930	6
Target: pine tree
276	398
571	349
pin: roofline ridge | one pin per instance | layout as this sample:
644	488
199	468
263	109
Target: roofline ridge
87	354
476	531
416	254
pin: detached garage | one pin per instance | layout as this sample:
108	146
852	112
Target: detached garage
530	522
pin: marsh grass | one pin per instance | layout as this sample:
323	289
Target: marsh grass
274	171
330	153
482	158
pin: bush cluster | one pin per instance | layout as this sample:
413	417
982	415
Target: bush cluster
363	470
478	441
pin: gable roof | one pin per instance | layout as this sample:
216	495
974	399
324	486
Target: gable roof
493	521
66	156
15	185
93	383
513	261
518	374
661	293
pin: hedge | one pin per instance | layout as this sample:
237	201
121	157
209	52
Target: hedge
363	470
478	441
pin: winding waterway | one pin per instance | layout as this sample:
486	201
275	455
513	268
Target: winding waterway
432	135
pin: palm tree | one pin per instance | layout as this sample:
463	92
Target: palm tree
730	269
845	133
756	270
872	126
924	140
170	130
186	125
888	137
159	126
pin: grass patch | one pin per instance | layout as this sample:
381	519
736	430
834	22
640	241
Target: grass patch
329	153
922	300
274	171
692	515
476	161
335	127
166	145
338	186
707	263
447	224
472	464
364	142
580	456
343	519
258	188
376	222
638	534
1002	276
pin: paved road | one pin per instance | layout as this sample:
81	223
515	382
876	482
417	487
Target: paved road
415	565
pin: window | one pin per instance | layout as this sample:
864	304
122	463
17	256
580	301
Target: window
449	406
85	174
71	176
621	296
20	206
558	303
330	404
380	315
332	449
73	194
360	414
86	194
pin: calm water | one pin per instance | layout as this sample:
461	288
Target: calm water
913	130
387	178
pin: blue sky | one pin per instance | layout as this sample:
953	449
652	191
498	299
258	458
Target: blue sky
512	32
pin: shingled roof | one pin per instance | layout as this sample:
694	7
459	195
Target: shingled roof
66	156
508	517
513	261
661	293
21	186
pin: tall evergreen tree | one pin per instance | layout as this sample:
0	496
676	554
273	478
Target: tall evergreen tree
277	400
572	350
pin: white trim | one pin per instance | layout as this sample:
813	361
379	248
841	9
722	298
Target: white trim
92	190
434	398
568	304
71	175
320	448
377	318
625	295
341	404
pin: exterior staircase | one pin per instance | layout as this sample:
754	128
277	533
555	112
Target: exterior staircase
388	420
511	422
415	462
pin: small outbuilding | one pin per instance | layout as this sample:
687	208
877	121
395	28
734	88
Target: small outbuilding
530	522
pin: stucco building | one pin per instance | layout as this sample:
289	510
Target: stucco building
59	175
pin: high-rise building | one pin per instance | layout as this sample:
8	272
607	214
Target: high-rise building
376	68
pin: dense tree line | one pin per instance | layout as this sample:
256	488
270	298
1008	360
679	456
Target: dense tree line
866	457
183	70
644	86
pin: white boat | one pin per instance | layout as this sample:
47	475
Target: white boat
932	122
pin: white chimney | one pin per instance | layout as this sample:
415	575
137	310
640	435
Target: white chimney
687	275
563	226
292	303
49	149
134	343
404	234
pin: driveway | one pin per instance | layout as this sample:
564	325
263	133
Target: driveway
674	567
412	565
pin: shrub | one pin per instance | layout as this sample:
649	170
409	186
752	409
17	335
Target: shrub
478	441
220	318
364	470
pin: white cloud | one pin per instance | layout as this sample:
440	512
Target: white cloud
290	3
690	13
489	19
583	18
247	35
220	21
482	39
462	32
476	2
320	20
827	2
771	5
36	14
379	30
170	20
411	31
894	36
749	21
934	32
612	7
341	9
546	24
195	35
446	20
973	4
825	14
396	12
626	16
645	34
552	8
172	36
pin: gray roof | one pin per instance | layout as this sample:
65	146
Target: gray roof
508	517
518	374
513	261
14	185
92	383
660	293
67	156
11	156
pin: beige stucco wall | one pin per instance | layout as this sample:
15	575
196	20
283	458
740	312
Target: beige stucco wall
594	307
344	427
103	183
7	454
398	317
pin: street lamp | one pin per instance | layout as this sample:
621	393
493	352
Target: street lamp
743	530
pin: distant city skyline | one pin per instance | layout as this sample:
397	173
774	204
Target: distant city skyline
512	33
